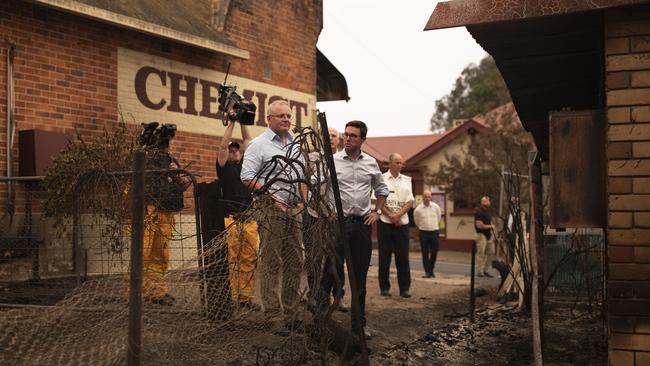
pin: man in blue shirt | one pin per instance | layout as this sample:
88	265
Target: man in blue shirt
280	209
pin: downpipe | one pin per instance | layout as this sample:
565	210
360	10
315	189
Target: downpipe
11	126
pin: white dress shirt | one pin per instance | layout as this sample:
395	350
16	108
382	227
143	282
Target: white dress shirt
357	180
427	217
400	193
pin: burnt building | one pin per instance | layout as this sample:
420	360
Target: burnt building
578	74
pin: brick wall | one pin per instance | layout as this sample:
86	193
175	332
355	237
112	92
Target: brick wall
627	48
66	66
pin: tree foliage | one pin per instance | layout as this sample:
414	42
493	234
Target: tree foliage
504	145
478	89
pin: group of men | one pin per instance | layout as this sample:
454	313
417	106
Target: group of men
280	193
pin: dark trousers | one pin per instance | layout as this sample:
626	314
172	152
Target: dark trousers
358	235
313	254
394	239
333	272
429	245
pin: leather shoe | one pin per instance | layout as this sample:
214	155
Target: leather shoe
341	306
405	294
165	300
249	305
385	292
366	332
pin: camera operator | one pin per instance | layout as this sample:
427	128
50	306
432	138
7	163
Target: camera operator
242	236
164	198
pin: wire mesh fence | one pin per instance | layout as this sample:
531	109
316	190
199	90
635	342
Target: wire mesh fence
64	296
574	262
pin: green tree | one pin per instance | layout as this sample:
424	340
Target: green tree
478	89
503	145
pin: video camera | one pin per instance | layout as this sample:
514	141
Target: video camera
234	107
153	135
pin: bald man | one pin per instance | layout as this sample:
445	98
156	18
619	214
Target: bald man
393	228
335	140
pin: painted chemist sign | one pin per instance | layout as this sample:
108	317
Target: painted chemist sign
152	88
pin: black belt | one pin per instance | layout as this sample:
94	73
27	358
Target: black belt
353	218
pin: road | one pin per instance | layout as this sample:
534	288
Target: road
442	267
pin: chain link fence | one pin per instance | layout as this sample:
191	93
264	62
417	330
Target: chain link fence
64	286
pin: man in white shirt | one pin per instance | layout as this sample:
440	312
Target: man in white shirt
427	217
393	229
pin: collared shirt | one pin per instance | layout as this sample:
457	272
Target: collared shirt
427	217
400	193
321	196
357	179
256	165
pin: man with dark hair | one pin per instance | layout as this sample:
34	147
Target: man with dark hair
393	228
242	237
484	239
358	175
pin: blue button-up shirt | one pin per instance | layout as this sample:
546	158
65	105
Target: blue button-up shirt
357	179
259	152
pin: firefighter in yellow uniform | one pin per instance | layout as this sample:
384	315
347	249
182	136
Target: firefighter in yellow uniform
158	227
164	197
242	235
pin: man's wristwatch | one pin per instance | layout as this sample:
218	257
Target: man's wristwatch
378	212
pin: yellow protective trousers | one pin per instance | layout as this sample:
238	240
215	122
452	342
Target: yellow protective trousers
243	247
158	228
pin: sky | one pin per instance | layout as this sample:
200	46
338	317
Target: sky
395	71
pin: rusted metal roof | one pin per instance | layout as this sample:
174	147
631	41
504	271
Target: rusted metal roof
459	13
549	52
415	147
183	21
407	146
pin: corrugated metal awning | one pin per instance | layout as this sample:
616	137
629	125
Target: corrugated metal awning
459	13
550	54
330	83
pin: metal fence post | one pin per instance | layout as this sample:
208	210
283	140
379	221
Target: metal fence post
137	237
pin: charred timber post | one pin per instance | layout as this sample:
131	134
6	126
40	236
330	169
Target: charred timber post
76	244
137	237
472	297
536	247
354	288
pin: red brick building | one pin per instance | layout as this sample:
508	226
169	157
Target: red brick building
78	64
579	77
70	66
